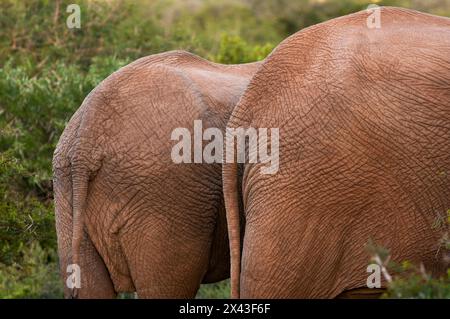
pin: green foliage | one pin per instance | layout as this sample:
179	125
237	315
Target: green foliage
216	290
46	70
36	32
23	219
35	277
234	50
35	110
419	285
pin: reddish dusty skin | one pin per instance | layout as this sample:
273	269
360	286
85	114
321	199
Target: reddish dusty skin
125	213
364	119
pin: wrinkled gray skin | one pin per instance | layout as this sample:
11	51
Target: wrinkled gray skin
364	118
125	213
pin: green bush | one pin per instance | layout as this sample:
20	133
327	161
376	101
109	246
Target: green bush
216	290
46	70
419	285
35	277
23	219
36	108
234	50
35	31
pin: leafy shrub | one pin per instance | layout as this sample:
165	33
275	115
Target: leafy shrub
35	277
420	285
35	31
23	219
216	290
36	108
234	50
46	70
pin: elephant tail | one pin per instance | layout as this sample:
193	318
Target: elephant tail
80	179
70	184
231	197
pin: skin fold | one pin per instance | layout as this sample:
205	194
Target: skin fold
364	119
125	213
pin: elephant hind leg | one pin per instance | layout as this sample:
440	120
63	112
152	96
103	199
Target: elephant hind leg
361	293
96	282
165	260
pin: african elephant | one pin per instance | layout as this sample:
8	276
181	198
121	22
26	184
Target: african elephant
364	153
126	214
